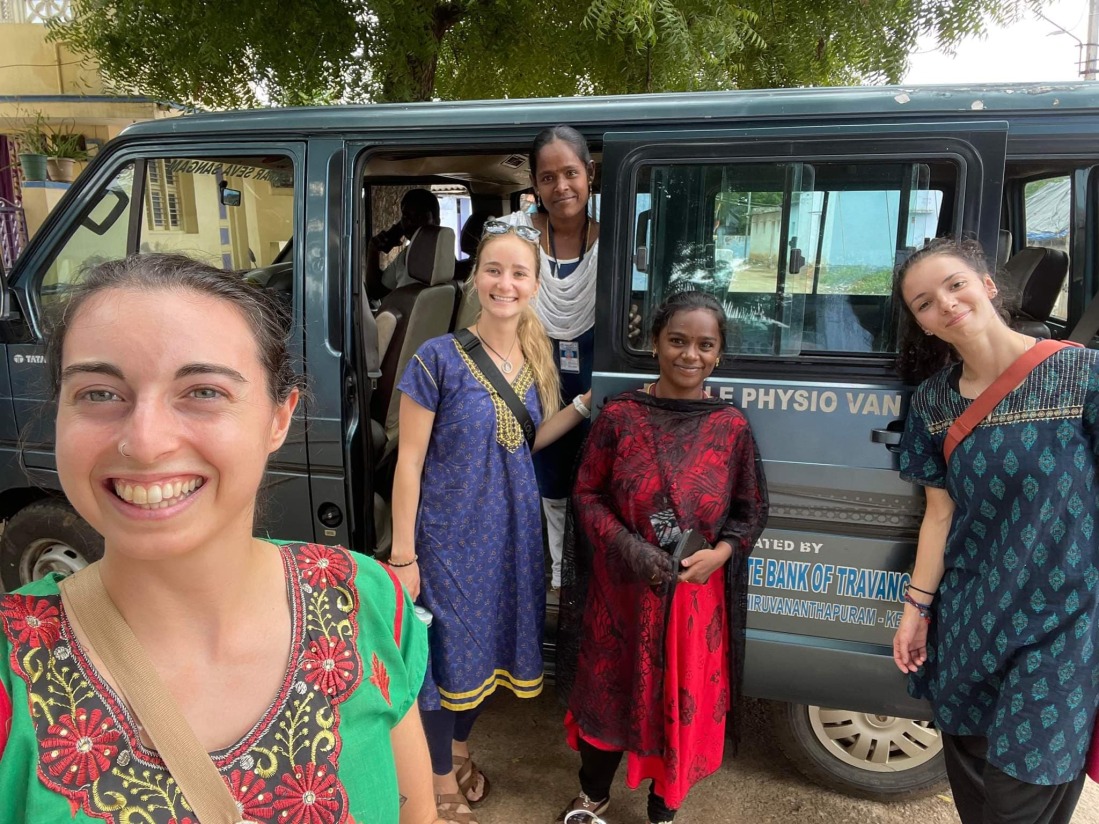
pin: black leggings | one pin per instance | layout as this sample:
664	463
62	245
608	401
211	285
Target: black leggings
443	727
597	769
984	794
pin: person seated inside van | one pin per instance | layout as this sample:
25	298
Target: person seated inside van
419	207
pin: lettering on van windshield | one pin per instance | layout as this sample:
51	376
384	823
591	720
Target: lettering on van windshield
814	400
206	167
823	580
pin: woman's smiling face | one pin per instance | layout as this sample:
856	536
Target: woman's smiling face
173	379
687	349
561	180
948	298
506	277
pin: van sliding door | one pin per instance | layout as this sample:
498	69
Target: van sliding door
797	231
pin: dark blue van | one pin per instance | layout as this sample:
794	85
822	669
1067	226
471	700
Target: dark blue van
792	207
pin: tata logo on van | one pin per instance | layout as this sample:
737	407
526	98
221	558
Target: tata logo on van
29	358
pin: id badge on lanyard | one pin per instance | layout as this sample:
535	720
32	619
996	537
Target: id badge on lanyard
569	352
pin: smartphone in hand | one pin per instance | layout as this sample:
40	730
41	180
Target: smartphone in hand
689	543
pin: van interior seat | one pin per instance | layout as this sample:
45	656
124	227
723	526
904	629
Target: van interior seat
1033	278
413	314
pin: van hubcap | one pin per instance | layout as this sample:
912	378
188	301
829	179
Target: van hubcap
879	743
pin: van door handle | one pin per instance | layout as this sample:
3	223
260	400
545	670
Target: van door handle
889	438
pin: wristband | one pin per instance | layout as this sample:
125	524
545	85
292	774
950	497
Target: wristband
924	609
923	591
578	404
405	564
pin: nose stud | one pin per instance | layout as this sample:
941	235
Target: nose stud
122	449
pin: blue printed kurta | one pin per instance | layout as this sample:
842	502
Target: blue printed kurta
478	532
1011	655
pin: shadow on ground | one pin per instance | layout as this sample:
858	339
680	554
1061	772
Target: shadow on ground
520	745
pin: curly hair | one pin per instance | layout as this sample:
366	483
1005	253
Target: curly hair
919	355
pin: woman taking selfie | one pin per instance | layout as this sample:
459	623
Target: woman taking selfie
999	620
660	646
281	665
467	534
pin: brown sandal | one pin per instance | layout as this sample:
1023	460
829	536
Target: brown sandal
454	809
467	774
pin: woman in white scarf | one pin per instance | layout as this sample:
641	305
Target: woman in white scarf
562	172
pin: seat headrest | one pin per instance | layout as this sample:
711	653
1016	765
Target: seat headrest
1036	275
472	230
431	255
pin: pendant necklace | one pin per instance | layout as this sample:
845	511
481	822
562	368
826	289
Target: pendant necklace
506	366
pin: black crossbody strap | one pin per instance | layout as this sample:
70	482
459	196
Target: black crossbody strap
472	344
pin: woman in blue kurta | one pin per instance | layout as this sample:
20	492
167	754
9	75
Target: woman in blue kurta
999	620
467	536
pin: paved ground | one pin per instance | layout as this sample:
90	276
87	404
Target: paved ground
520	746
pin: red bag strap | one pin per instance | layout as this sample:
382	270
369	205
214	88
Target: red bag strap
1011	377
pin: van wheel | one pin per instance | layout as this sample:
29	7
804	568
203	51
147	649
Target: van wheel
44	537
880	757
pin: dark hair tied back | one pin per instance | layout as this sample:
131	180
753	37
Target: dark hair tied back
268	320
566	134
688	301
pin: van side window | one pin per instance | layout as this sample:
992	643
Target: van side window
801	255
100	235
1047	205
234	213
231	212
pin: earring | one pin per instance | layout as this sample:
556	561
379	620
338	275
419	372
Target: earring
718	362
928	332
654	353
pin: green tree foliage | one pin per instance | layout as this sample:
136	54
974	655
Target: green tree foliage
233	54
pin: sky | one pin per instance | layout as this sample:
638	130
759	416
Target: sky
1031	50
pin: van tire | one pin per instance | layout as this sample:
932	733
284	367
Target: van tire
806	736
43	537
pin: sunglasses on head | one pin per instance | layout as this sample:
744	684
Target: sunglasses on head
500	227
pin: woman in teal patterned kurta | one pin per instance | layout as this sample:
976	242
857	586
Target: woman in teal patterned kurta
296	667
1004	604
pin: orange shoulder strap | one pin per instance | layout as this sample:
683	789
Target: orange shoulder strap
984	403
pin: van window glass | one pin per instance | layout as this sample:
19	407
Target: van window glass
1047	206
99	236
801	255
232	212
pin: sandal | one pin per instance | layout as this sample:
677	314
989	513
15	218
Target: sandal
583	810
468	776
454	809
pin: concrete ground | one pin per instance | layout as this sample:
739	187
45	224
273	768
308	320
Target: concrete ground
520	746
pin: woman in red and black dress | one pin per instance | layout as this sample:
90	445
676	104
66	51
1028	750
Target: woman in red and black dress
651	657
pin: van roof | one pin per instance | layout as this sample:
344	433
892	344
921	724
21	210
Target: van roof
772	104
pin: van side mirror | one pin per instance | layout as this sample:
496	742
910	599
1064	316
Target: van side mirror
229	197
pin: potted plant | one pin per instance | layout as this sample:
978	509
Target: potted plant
33	141
65	147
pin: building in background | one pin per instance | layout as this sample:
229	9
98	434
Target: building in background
46	87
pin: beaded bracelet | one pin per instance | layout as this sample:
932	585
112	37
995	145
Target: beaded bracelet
405	564
924	609
924	591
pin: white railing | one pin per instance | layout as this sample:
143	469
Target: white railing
32	11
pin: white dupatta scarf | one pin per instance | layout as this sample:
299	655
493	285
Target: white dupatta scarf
566	306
